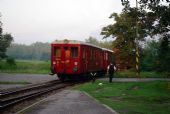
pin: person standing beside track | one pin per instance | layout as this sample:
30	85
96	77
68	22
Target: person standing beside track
111	69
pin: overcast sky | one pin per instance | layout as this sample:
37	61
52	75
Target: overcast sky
46	20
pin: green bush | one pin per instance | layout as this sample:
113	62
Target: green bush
10	61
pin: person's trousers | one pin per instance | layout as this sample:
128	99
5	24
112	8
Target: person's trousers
110	77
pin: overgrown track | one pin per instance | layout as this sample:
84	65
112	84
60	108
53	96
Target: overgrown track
11	98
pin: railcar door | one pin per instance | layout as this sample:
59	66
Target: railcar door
84	59
65	58
56	58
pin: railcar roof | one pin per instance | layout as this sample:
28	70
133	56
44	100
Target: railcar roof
78	42
107	50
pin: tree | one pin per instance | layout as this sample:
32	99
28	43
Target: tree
5	41
0	28
103	44
153	19
160	25
164	55
149	56
92	40
124	30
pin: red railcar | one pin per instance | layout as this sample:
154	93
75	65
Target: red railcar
71	59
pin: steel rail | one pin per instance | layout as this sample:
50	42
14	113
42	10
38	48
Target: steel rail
30	87
12	101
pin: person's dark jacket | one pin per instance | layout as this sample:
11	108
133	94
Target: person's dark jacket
111	69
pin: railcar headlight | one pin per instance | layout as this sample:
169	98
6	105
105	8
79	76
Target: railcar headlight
75	63
54	62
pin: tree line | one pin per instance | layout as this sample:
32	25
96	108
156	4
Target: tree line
35	51
42	51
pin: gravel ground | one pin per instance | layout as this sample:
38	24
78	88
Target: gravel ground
31	78
68	102
8	86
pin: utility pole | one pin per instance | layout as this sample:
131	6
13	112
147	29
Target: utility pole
136	43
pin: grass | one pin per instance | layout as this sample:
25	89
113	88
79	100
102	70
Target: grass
144	74
20	82
132	97
28	67
43	67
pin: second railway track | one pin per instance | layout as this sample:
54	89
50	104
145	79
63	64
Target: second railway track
13	97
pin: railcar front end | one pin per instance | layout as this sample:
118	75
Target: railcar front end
65	59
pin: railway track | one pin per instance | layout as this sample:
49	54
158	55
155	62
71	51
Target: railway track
6	93
13	97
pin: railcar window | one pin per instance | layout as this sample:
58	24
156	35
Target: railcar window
83	53
57	52
74	51
96	53
106	56
67	52
91	54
